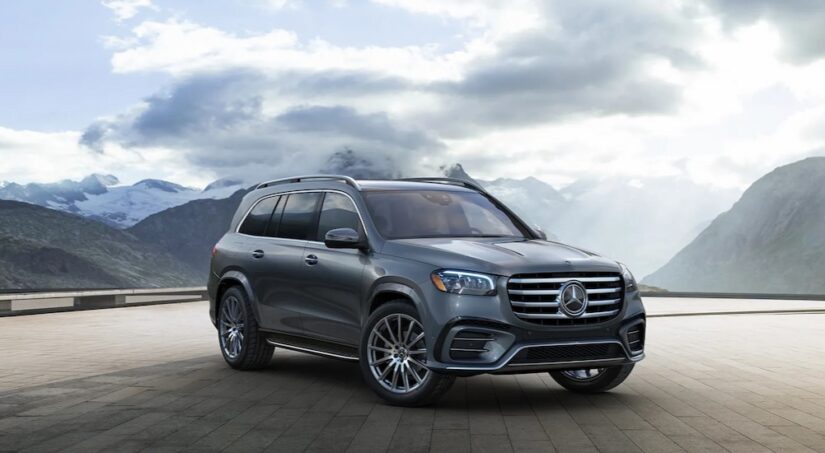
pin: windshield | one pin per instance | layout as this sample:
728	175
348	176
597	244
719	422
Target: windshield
406	214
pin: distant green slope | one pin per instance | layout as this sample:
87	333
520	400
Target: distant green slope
42	248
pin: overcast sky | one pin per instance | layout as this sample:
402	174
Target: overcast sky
718	92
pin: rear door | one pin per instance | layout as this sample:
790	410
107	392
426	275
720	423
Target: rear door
331	283
276	257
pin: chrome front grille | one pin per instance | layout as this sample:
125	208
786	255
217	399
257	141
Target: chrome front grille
535	297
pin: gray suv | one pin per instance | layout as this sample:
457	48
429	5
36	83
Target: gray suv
419	281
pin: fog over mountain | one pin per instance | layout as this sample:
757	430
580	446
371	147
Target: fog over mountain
642	223
639	222
772	240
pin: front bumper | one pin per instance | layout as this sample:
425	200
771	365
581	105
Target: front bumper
477	336
469	348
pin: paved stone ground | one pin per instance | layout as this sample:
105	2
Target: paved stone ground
151	378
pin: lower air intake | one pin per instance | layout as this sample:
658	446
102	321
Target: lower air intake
568	353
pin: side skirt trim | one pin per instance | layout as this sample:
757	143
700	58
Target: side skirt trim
313	347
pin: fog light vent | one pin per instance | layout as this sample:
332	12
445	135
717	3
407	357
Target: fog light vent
469	345
636	338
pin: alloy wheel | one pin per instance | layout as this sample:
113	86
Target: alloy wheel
232	327
397	353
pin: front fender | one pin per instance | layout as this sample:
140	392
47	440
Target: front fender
404	288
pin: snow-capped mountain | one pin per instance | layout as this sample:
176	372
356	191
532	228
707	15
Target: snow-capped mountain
58	195
100	197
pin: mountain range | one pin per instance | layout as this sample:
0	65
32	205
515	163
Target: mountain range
771	240
100	197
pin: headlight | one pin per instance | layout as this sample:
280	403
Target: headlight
629	279
460	282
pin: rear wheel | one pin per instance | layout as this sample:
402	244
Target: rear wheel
243	346
393	357
592	380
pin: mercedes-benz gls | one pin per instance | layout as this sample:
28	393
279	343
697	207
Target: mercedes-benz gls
419	281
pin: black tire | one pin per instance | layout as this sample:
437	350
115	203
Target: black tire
609	378
254	352
432	386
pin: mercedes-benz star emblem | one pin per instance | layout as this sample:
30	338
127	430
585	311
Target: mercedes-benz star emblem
572	299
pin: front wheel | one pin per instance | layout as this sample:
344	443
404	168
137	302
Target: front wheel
592	380
393	357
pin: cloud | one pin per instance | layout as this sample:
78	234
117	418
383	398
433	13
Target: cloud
222	122
568	59
126	9
183	48
801	23
32	156
554	89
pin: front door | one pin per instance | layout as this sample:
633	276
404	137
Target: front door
331	283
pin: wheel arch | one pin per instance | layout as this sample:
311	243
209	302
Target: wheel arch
236	278
388	291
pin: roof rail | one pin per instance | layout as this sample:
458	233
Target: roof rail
451	181
295	179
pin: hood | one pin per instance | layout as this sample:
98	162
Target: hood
499	256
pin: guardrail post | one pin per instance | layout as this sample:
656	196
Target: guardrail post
105	301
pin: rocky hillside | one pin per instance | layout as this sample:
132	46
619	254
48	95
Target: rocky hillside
44	248
772	240
189	231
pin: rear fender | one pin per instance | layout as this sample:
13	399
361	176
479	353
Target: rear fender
237	278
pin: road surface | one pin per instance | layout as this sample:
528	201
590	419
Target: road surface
151	378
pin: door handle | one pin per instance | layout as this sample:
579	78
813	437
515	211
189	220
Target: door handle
258	254
311	260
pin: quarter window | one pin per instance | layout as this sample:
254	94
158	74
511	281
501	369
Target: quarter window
256	222
337	212
298	219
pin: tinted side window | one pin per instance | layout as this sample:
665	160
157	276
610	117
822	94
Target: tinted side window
258	218
337	212
297	221
275	220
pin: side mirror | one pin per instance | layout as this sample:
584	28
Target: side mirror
541	233
344	238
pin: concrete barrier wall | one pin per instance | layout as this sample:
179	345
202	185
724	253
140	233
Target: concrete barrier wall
700	295
48	302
